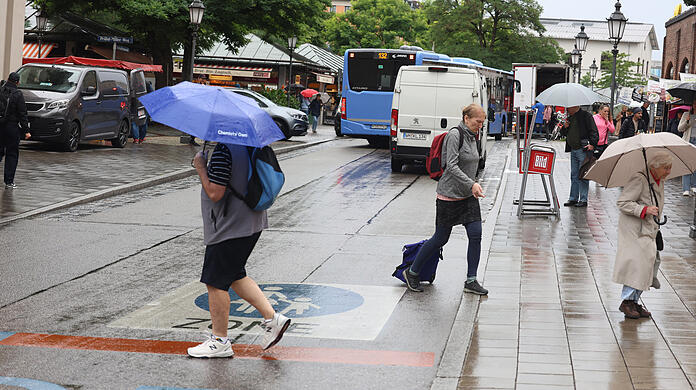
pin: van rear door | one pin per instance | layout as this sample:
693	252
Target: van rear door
416	105
455	91
138	88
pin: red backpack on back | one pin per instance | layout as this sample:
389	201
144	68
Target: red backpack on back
433	161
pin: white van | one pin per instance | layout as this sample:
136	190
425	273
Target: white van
428	100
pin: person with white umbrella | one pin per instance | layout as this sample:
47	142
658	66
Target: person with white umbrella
582	137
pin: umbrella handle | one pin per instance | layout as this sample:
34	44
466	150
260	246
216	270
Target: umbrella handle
657	221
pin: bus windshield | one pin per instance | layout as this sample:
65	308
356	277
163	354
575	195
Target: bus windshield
375	71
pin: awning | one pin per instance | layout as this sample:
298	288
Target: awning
31	49
107	53
94	62
225	70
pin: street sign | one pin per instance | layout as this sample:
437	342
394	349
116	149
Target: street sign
108	39
539	162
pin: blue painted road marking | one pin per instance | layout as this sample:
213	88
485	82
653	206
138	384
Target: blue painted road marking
166	388
4	335
29	384
294	300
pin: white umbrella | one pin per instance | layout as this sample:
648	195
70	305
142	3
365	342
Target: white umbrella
623	158
569	95
635	104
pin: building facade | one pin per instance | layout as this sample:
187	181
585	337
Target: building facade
11	35
638	42
679	53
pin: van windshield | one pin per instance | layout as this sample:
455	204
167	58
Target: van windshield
48	79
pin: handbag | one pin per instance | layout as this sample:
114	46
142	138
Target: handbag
589	161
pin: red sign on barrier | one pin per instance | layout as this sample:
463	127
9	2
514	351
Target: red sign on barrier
539	162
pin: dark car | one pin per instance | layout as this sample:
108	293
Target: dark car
291	121
67	104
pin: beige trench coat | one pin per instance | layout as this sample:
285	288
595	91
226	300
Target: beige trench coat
636	249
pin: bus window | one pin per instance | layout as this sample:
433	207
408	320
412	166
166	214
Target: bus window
375	71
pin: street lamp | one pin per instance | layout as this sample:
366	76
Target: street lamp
292	43
617	25
196	11
593	72
41	24
575	59
581	43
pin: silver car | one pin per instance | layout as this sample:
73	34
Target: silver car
291	121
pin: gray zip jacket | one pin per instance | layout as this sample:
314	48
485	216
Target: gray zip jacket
460	165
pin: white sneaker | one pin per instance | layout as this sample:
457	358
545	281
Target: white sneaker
686	193
274	330
212	348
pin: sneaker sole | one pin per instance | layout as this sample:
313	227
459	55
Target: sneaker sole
229	353
280	334
475	292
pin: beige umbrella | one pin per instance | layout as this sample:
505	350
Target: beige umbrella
625	157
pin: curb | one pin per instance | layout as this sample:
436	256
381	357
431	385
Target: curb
138	185
449	371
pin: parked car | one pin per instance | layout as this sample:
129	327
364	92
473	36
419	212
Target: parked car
291	121
67	104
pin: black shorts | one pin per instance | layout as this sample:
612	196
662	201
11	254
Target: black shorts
224	262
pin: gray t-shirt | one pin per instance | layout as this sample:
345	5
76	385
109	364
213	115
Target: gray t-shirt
230	217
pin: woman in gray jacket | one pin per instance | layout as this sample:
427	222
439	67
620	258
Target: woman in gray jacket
457	200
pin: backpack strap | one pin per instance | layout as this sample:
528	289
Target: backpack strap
461	136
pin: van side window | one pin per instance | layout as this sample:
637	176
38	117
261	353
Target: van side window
113	84
90	81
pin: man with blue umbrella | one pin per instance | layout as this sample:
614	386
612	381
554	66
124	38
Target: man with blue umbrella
231	228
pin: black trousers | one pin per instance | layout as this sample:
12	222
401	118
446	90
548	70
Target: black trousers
9	148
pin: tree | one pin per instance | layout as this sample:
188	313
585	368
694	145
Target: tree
385	24
625	72
163	25
496	32
690	2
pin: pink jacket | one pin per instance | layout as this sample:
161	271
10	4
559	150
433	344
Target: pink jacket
604	127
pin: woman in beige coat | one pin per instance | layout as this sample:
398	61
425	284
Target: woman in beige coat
636	254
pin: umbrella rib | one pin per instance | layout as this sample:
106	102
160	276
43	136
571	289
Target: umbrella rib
680	159
614	167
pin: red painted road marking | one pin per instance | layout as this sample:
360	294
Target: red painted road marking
241	351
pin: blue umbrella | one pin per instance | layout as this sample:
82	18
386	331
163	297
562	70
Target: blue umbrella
212	114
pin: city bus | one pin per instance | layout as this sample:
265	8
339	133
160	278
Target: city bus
368	87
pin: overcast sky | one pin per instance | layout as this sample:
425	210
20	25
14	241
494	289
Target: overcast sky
655	12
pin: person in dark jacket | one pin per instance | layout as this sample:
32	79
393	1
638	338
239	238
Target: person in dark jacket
673	126
645	115
314	111
632	125
581	139
12	126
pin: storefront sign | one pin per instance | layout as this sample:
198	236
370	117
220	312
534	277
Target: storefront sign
687	77
325	79
242	72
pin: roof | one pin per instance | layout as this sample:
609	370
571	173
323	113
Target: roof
321	56
598	30
256	51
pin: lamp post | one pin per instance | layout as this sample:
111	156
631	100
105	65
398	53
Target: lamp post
575	60
41	23
196	11
292	43
593	72
581	43
617	25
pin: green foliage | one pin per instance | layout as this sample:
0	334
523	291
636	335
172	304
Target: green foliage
385	24
625	72
690	2
496	32
279	97
586	80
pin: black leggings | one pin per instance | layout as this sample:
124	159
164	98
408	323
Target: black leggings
440	238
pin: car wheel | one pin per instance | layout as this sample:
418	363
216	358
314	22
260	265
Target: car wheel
396	165
498	137
378	142
122	138
73	139
284	128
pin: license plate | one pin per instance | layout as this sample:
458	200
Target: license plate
141	112
415	136
380	127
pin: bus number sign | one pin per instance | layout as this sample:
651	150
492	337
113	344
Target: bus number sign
382	56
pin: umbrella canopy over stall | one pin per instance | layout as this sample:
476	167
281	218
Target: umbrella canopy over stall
623	158
212	114
684	91
673	112
569	95
309	92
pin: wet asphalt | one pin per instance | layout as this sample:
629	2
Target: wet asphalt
342	218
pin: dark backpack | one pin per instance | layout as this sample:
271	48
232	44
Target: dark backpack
433	161
4	103
265	179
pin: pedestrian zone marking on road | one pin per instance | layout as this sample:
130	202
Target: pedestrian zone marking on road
241	351
29	384
333	311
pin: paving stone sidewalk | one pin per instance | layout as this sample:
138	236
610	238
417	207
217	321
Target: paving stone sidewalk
551	320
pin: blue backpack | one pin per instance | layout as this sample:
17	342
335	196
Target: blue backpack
410	251
265	179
